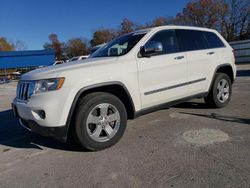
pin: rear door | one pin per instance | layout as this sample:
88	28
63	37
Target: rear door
218	47
201	60
162	76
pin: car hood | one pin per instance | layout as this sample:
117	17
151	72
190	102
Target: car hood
55	71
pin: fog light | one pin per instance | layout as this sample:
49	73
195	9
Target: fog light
39	114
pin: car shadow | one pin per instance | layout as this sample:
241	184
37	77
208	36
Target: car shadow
221	117
191	105
13	135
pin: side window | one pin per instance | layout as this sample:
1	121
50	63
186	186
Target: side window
191	40
213	40
168	40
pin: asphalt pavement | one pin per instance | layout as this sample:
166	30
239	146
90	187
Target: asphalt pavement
188	145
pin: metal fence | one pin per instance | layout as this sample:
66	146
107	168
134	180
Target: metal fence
242	51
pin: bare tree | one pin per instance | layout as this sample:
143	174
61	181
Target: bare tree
127	26
20	45
235	21
158	21
54	44
76	47
5	45
203	13
230	17
101	36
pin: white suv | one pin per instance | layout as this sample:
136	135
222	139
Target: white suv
130	76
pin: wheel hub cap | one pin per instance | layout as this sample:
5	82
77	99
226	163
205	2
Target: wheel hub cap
223	91
103	122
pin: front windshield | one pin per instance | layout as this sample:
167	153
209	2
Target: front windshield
119	46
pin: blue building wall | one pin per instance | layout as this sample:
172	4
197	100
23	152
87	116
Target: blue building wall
21	59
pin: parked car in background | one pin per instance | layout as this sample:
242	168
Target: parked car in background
132	75
17	73
57	62
77	58
4	80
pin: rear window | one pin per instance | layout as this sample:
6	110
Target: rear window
213	40
191	40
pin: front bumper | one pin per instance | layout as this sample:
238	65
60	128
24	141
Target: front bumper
59	133
54	105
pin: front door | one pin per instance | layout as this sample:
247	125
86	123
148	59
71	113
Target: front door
162	77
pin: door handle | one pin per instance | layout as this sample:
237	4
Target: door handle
210	53
179	57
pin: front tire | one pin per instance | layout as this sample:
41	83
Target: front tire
100	121
220	92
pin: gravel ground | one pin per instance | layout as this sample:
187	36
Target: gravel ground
187	145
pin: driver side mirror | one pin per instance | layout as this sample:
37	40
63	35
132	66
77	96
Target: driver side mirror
151	48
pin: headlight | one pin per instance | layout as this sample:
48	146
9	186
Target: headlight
48	85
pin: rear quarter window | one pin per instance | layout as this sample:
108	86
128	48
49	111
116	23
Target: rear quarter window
213	40
191	40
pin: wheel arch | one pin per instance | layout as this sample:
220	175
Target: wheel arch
116	88
227	69
223	68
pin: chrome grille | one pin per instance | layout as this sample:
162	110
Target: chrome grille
23	91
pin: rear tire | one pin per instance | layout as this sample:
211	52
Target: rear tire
220	92
100	121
